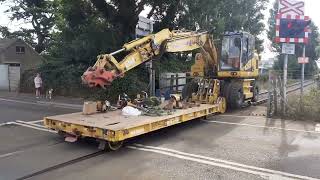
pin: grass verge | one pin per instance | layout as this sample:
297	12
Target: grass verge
307	108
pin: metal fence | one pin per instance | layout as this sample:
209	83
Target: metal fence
277	97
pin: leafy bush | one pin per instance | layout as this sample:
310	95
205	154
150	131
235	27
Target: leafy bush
308	108
66	81
132	83
26	81
172	63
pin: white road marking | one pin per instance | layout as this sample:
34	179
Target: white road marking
31	124
237	116
258	126
43	103
65	105
257	117
6	123
266	173
18	101
317	128
27	122
33	127
34	122
10	154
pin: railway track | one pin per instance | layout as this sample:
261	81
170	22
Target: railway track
291	88
67	163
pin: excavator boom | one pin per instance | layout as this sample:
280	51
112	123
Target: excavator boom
107	68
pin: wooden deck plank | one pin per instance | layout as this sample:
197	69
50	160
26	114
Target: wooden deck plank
114	120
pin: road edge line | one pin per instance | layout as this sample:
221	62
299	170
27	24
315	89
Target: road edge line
34	127
229	163
258	126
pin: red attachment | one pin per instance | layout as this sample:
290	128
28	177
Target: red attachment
95	77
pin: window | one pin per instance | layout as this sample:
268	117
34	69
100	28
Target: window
251	47
230	53
14	64
245	49
20	49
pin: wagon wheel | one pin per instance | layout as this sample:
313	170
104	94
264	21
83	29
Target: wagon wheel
222	104
255	97
115	145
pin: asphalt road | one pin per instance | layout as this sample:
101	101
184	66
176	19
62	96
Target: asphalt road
230	146
28	111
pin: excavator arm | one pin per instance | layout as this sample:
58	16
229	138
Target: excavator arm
107	68
206	62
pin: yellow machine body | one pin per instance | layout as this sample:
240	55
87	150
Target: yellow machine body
220	82
237	63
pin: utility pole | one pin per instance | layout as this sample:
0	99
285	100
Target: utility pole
143	28
269	107
284	90
302	71
286	50
291	26
152	80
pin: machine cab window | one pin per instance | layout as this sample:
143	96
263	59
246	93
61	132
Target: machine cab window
247	49
245	44
237	49
231	53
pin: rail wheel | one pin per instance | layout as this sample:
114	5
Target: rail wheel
115	145
236	97
222	104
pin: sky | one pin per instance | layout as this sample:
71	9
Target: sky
311	10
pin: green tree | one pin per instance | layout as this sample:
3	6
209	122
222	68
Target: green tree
166	13
318	51
83	33
123	14
272	25
86	28
228	15
23	34
40	14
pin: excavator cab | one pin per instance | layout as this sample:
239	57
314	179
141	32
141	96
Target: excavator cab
238	67
237	55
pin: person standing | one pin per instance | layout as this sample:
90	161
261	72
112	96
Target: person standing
38	85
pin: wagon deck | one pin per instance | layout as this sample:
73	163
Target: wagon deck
113	126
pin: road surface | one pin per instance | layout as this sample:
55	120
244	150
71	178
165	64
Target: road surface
12	110
230	146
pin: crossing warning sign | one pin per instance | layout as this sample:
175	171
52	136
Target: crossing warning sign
292	29
291	24
291	7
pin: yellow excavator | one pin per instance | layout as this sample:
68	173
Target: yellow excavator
227	78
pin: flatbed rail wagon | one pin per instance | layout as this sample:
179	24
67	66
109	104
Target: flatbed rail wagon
112	128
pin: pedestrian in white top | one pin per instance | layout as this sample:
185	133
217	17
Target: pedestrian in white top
38	84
